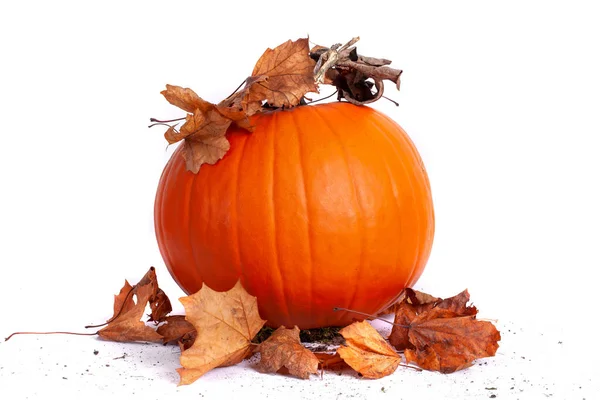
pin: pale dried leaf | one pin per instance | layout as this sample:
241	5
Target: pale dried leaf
206	151
367	352
225	323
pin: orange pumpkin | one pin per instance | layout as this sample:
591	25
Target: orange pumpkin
320	207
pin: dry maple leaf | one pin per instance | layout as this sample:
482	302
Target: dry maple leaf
283	349
288	70
225	322
445	341
367	352
126	325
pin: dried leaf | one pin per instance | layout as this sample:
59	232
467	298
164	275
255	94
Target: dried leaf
445	341
367	352
207	151
405	314
160	306
415	303
225	322
127	326
123	301
442	335
288	70
186	99
175	328
329	360
354	75
283	349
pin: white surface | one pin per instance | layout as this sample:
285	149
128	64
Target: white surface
501	100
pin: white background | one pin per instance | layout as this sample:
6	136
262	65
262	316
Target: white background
502	100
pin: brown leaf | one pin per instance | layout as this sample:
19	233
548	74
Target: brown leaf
458	304
175	328
127	326
405	314
288	70
186	99
329	360
283	349
367	352
415	303
225	322
204	129
207	151
446	341
123	301
354	75
160	306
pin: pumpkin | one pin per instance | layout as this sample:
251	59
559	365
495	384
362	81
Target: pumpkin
321	206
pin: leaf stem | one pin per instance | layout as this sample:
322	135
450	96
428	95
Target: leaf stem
50	333
166	120
322	98
370	316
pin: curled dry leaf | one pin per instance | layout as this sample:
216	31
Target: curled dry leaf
352	74
160	306
177	329
367	352
126	324
283	349
225	323
442	335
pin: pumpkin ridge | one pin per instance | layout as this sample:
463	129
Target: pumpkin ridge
235	231
416	266
386	135
311	266
359	207
190	207
391	182
277	267
159	205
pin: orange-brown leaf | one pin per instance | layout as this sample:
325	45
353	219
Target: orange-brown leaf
185	98
405	314
160	306
225	322
367	352
283	349
127	326
123	301
446	341
209	150
175	328
289	74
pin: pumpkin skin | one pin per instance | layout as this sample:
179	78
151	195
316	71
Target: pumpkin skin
320	207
